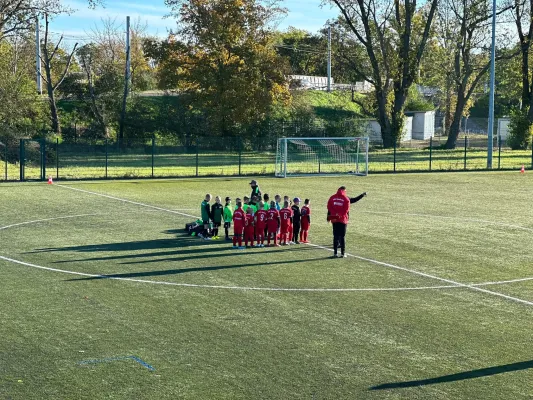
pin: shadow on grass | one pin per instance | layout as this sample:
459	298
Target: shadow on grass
476	373
177	271
182	241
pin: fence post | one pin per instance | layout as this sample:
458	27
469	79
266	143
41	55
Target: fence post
240	155
197	161
5	153
57	158
43	159
394	167
466	145
22	157
153	155
430	152
531	155
106	158
500	150
5	159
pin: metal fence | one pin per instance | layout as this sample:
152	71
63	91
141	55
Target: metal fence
37	160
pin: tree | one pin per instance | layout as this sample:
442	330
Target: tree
305	52
523	18
226	61
464	29
49	57
394	37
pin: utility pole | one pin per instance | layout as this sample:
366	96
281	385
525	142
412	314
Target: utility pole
329	58
492	85
127	79
38	61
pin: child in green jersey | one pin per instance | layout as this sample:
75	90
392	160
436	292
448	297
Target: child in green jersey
228	217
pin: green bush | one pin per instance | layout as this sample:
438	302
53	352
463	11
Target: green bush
520	130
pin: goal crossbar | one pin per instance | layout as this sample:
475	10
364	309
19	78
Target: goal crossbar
297	156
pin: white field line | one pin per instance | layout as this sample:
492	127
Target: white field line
451	218
451	283
225	287
127	201
234	287
45	220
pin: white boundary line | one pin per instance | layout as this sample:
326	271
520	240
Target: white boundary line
452	218
127	201
225	287
449	281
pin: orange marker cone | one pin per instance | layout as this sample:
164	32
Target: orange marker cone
523	170
50	181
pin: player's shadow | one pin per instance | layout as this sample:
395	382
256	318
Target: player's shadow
180	242
177	271
476	373
195	257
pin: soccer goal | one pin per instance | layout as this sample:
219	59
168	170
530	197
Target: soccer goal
313	156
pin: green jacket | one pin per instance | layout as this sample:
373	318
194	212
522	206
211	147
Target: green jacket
206	211
216	213
228	213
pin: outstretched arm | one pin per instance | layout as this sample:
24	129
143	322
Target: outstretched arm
356	199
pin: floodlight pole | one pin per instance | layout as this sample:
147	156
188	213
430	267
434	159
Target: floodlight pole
492	86
38	60
329	58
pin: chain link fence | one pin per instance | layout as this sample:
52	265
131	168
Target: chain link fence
232	156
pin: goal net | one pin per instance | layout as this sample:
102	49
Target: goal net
313	156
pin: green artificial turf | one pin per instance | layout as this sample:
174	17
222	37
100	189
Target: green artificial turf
215	340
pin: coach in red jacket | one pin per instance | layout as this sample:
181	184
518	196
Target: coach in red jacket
338	215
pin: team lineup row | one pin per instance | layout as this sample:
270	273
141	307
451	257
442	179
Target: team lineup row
258	220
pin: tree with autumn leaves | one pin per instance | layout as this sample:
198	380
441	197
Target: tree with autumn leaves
222	60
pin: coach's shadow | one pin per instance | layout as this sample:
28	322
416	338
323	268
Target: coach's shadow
476	373
176	271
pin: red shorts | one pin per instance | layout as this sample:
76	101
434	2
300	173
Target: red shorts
305	226
249	233
272	228
238	230
260	229
285	229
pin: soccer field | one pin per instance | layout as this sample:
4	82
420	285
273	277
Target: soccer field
103	296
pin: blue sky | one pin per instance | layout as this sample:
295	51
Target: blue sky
303	14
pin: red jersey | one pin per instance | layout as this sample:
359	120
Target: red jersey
249	223
339	207
238	220
285	215
272	220
306	216
261	217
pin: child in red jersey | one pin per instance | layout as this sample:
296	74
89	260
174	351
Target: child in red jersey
286	218
238	225
261	224
287	199
305	221
273	222
249	229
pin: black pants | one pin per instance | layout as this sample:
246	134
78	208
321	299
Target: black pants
295	231
339	232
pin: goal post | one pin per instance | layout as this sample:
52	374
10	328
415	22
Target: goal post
322	156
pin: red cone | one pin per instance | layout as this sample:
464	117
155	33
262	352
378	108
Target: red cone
523	170
50	181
